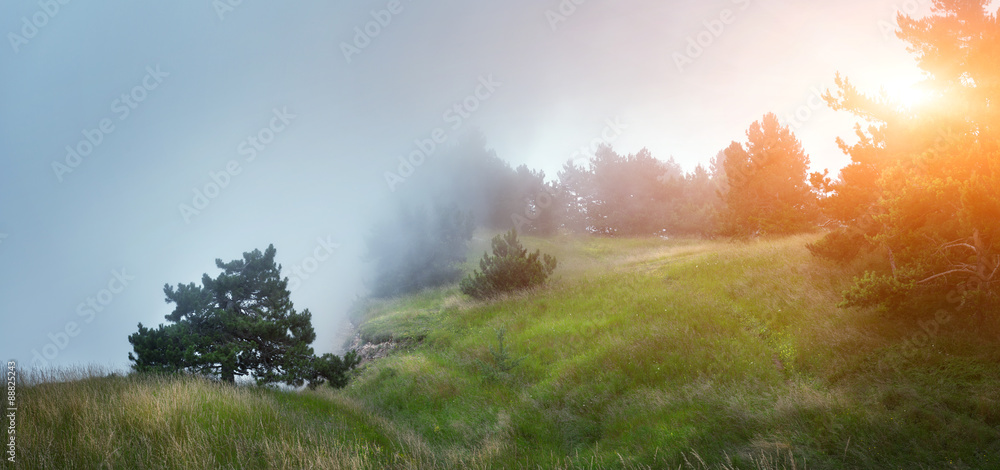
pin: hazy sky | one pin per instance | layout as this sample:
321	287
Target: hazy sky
295	116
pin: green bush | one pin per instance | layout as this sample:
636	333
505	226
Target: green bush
509	268
841	245
878	290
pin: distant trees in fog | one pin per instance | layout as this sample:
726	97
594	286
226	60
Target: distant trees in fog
418	247
921	187
634	195
756	189
768	189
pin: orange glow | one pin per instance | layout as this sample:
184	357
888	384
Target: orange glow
913	95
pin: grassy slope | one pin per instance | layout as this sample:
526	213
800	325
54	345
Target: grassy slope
637	352
648	349
188	423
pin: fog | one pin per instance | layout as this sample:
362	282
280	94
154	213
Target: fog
141	141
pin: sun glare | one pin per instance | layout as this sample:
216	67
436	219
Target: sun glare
909	95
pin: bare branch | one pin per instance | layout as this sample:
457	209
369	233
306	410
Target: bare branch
994	273
966	270
954	245
892	260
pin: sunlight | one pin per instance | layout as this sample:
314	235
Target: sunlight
909	94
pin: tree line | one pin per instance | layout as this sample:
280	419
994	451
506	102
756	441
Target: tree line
920	197
751	188
921	194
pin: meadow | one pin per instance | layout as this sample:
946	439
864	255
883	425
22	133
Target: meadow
638	353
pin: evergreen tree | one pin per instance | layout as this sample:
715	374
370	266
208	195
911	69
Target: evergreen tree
240	323
929	175
768	190
510	268
573	197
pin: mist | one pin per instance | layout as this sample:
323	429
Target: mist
141	142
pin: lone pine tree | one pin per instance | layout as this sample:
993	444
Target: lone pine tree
240	323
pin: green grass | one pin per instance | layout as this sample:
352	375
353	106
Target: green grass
639	353
188	422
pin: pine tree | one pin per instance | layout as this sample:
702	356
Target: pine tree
240	323
929	176
510	268
768	191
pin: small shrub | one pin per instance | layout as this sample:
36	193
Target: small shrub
841	245
502	362
509	268
877	290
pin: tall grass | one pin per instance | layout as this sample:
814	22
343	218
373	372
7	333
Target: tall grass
646	349
638	354
129	422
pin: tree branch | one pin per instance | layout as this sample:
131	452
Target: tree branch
964	270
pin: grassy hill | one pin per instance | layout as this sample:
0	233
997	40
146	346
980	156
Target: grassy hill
640	353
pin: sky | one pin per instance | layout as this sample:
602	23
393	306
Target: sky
140	141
